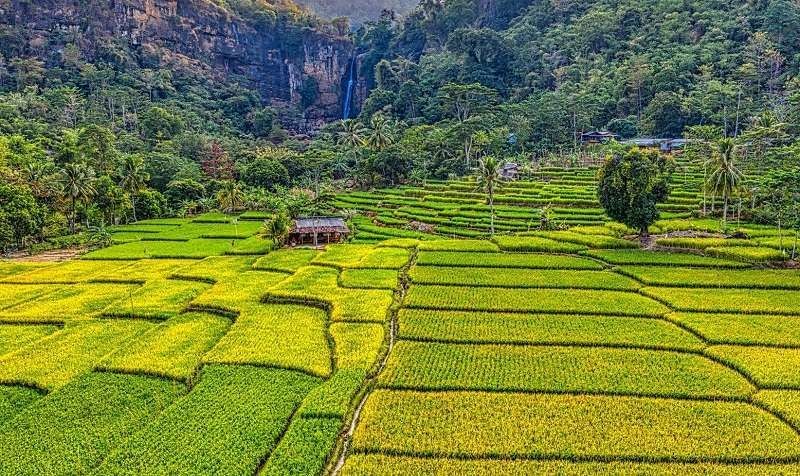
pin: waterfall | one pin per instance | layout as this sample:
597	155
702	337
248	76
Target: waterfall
351	83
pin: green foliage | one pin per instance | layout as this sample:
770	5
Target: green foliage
304	447
568	301
70	431
194	433
520	278
458	424
435	366
504	260
519	328
632	182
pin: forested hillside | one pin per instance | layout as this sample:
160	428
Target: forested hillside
636	67
117	111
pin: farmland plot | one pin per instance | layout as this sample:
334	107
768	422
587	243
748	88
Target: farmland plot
503	365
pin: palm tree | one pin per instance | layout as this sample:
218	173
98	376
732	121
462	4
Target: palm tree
488	179
77	181
230	196
134	177
351	135
380	133
725	178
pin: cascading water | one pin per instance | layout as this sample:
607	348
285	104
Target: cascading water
351	83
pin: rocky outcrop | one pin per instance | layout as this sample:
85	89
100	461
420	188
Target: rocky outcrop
289	64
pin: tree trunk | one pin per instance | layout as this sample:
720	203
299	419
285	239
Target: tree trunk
133	205
72	216
491	211
725	210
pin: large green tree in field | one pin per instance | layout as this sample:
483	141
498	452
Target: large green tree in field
631	183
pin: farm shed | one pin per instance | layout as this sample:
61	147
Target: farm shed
315	230
597	137
510	171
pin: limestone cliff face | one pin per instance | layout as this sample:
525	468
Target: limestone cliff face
288	64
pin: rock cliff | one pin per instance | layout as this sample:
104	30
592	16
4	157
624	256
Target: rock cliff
288	62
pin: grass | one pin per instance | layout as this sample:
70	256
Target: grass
714	278
334	397
12	268
521	278
195	436
754	254
658	258
536	244
76	301
505	260
768	366
14	399
70	272
577	301
191	249
73	429
53	361
457	245
141	271
172	349
158	299
745	301
304	448
13	294
700	243
368	278
214	268
315	285
357	345
520	328
287	261
746	329
390	465
784	402
254	245
362	256
276	335
471	424
233	293
490	367
592	241
15	337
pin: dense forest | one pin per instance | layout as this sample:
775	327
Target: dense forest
120	133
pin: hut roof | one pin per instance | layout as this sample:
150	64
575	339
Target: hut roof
320	225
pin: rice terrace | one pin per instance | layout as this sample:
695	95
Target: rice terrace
399	237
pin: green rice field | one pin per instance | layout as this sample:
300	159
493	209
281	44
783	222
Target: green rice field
191	347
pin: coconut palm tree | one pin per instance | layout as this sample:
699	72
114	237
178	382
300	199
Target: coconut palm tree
230	197
77	182
488	179
351	135
725	178
134	177
381	132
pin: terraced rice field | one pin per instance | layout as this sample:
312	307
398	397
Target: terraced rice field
524	354
188	348
506	364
